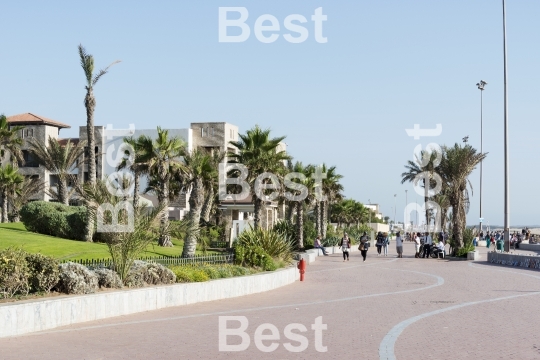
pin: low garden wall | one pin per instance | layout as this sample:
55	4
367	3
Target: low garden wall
38	315
525	261
529	247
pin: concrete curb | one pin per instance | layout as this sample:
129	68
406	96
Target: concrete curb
38	315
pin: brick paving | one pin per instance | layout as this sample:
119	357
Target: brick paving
359	302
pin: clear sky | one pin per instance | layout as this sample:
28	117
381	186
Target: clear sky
387	65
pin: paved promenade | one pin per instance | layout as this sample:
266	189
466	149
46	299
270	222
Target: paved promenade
385	308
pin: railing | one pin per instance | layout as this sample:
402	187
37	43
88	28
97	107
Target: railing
163	260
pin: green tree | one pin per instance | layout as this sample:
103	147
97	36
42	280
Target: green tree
137	163
200	171
457	164
164	161
260	154
22	193
424	167
332	189
10	142
87	63
9	179
59	160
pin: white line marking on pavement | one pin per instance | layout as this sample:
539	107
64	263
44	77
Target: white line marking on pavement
386	348
440	281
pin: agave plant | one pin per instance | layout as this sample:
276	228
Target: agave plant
272	242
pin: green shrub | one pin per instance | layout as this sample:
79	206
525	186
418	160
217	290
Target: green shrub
44	272
54	219
271	242
108	278
205	272
14	273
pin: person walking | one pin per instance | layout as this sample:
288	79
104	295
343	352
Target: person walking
399	245
318	245
364	245
379	243
417	245
345	245
428	241
386	243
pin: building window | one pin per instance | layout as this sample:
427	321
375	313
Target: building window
27	133
202	132
212	131
29	159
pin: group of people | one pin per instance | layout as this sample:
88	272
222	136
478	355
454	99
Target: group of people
382	243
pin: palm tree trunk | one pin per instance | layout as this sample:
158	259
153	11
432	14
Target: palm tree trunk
318	218
300	225
62	192
164	237
459	219
4	206
196	200
257	212
207	207
90	103
324	216
290	211
136	183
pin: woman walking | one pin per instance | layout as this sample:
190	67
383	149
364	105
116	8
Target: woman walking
364	245
379	243
399	245
345	245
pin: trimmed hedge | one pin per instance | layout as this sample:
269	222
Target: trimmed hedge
54	219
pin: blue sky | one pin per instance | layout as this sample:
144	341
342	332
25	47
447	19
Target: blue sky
386	66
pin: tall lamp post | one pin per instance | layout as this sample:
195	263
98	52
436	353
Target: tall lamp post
481	86
506	159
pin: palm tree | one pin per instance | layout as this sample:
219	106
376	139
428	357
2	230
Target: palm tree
87	63
22	193
163	162
59	160
138	163
10	142
211	185
200	170
457	164
9	179
416	168
260	154
332	189
309	183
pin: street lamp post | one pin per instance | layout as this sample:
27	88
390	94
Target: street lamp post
506	159
481	86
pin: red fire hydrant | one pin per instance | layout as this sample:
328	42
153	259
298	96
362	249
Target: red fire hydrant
302	267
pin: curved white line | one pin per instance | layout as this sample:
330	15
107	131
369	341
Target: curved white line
386	348
440	281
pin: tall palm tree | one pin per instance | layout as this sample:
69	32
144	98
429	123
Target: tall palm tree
211	185
60	160
163	162
309	183
87	63
9	179
142	146
200	171
260	154
10	141
457	164
416	168
332	189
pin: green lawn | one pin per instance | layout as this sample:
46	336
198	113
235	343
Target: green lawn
15	234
